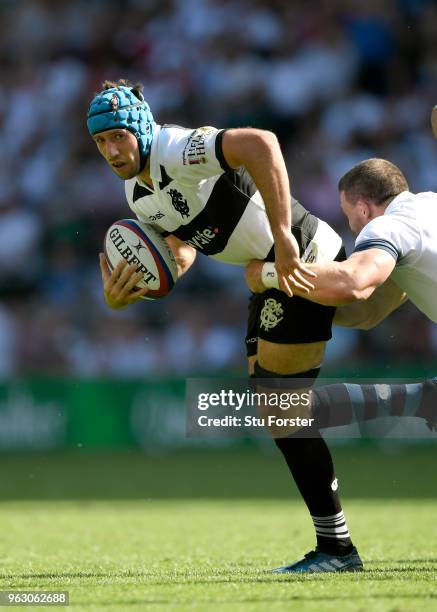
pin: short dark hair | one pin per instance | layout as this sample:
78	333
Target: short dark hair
374	179
136	89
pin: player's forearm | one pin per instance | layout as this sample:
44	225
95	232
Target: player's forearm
369	313
343	282
338	284
183	264
184	255
335	285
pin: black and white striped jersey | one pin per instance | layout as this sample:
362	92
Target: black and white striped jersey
198	198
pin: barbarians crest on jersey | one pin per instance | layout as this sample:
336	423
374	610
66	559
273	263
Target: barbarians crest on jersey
272	313
114	103
179	203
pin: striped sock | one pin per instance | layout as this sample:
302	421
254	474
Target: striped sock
310	463
345	403
332	533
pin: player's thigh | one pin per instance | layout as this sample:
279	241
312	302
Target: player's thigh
291	341
286	335
291	358
292	332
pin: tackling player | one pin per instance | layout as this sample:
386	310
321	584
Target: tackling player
395	258
225	193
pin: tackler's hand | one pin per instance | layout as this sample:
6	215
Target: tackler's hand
119	287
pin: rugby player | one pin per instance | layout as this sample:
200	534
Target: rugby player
225	193
396	250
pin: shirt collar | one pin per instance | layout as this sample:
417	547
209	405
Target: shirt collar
396	200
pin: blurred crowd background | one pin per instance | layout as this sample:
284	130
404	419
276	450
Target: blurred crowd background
337	80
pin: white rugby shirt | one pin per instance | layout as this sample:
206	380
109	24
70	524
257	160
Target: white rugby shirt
408	231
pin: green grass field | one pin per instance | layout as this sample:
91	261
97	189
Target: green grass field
162	546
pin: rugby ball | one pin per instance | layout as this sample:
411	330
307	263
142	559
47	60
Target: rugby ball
140	244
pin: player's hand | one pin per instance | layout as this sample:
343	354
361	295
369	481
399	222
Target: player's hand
292	273
118	287
253	276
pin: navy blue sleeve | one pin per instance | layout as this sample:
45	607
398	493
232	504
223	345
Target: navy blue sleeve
379	243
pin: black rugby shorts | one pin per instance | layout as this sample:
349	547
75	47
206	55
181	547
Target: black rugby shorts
275	317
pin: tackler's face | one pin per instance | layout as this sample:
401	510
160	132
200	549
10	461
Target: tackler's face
120	149
358	213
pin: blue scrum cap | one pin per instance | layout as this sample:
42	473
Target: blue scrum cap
122	107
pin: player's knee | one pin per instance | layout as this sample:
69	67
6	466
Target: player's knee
287	405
